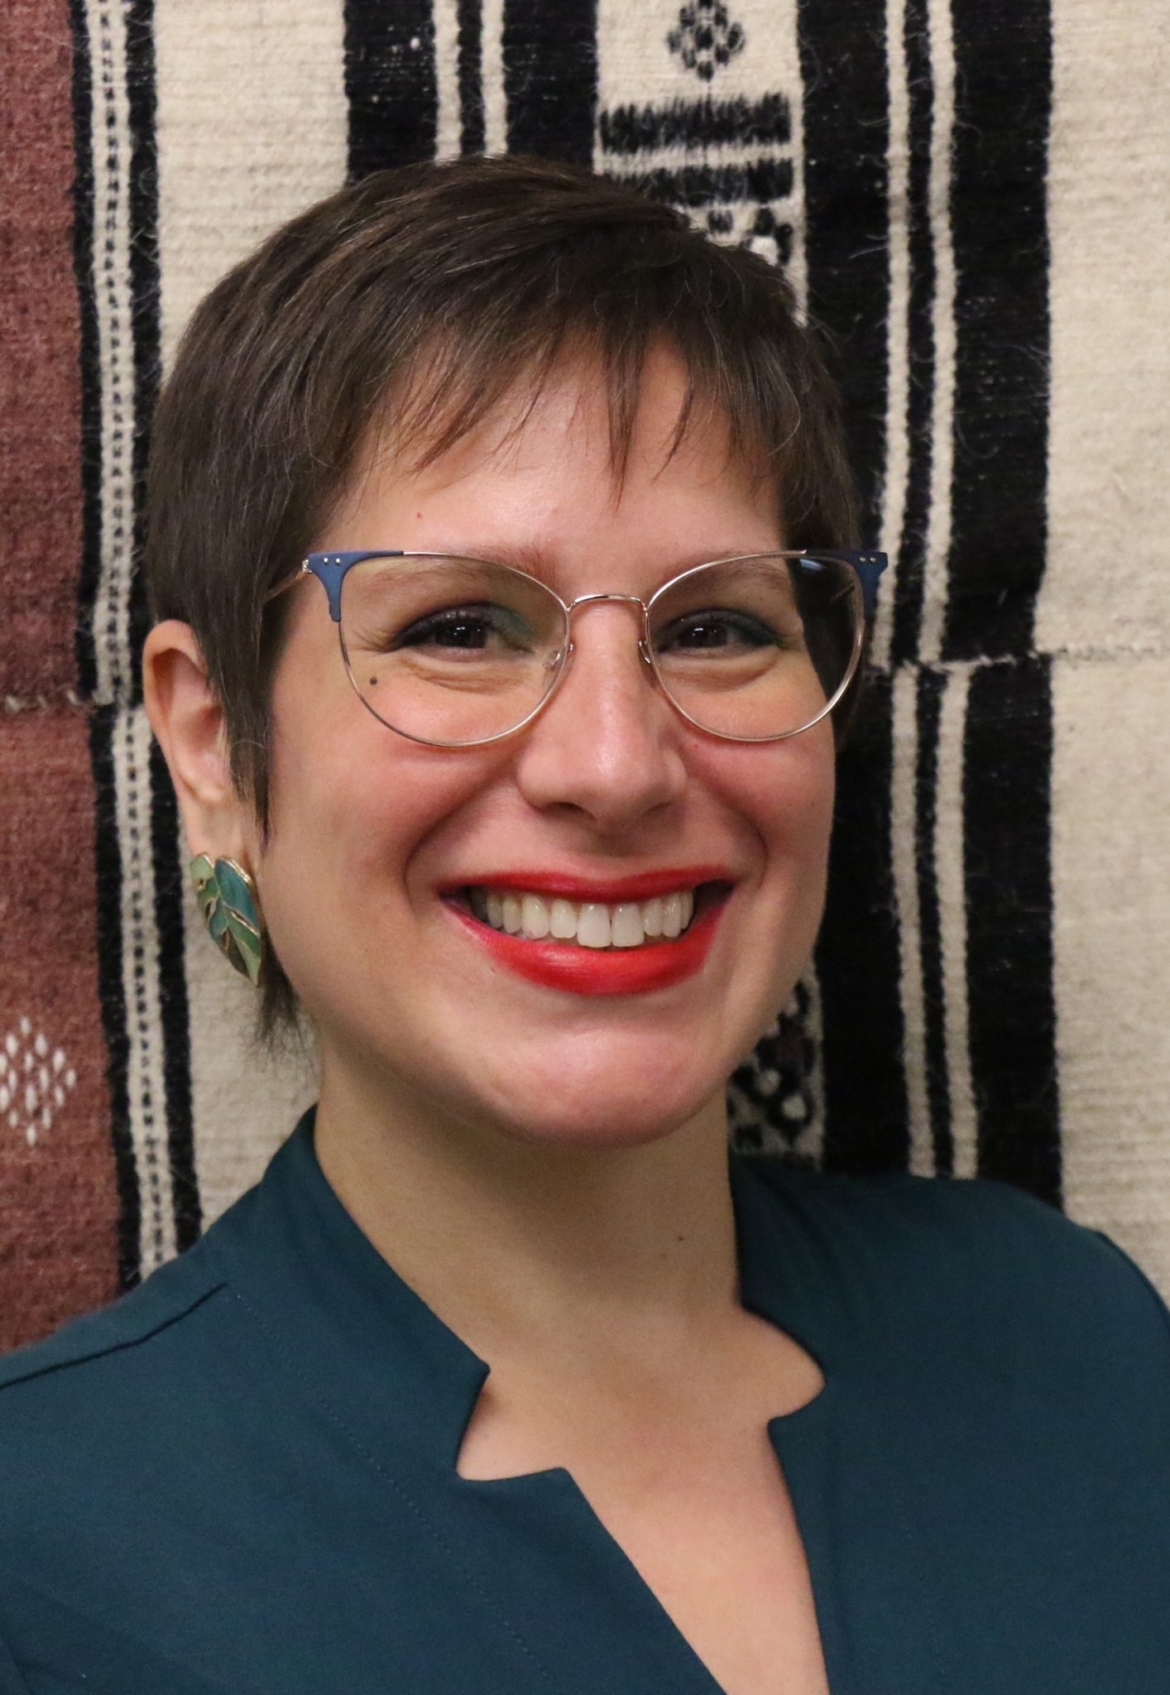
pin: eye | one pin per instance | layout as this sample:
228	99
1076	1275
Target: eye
717	630
485	628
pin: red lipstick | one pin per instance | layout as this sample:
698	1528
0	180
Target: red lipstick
601	971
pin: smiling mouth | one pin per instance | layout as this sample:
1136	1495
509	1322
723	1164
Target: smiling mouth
623	927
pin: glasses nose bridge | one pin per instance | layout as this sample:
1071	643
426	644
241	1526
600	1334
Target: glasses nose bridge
592	599
598	599
621	599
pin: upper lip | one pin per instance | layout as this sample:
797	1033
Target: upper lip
606	891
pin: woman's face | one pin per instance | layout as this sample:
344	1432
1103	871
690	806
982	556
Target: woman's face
609	793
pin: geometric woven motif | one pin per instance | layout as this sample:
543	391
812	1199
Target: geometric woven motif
35	1079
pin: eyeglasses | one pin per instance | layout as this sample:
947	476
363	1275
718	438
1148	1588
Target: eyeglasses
455	652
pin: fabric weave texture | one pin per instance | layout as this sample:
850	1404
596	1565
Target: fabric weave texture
967	194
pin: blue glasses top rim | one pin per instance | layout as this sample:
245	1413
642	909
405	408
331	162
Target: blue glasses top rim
330	568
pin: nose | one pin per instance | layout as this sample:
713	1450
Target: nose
608	744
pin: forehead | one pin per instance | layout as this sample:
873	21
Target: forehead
544	462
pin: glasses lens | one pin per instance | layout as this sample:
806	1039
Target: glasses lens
757	648
446	650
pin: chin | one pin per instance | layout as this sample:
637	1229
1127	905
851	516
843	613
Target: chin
608	1105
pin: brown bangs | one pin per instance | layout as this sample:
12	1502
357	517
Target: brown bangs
408	305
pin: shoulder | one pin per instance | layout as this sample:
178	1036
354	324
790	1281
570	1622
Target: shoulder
105	1386
103	1431
982	1257
969	1218
60	1362
168	1314
115	1409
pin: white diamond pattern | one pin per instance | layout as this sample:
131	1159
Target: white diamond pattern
35	1080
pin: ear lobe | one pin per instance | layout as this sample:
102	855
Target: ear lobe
188	720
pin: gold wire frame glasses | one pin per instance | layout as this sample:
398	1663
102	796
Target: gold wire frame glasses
453	651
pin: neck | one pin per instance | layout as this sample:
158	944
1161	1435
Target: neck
610	1263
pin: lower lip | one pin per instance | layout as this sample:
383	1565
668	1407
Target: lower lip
600	971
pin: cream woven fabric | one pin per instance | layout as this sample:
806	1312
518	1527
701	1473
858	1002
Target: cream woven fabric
971	196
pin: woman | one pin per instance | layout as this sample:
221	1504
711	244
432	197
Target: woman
509	1376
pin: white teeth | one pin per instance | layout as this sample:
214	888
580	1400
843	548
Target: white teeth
591	924
626	928
562	921
534	917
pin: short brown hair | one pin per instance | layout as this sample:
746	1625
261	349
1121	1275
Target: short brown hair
415	298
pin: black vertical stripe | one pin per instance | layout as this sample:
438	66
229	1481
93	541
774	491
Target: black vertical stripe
108	867
550	78
390	84
857	958
1003	97
931	686
846	137
470	16
1006	819
91	417
144	288
172	995
911	563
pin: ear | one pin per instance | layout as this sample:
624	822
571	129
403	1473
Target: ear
186	716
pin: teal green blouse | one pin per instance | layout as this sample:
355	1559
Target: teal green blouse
240	1479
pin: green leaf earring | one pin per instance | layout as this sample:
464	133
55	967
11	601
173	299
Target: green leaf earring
227	900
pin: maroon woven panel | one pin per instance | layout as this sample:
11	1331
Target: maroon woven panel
58	1242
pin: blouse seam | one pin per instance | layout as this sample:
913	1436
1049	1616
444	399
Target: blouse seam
86	1353
408	1500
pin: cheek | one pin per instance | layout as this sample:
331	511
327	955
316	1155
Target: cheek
357	808
804	824
346	824
354	811
783	793
331	768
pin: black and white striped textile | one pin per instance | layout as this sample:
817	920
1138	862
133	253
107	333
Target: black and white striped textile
971	196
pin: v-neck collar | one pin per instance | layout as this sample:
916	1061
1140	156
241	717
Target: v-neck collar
409	1384
354	1338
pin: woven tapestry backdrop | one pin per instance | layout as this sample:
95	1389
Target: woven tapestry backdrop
971	198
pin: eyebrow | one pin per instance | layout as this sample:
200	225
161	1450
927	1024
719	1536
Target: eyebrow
522	556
